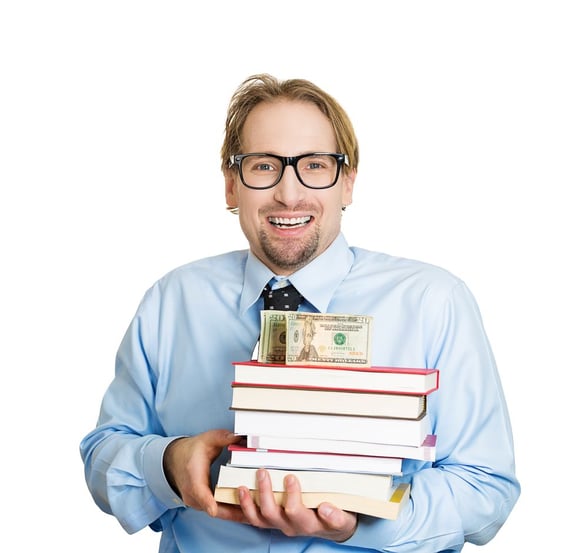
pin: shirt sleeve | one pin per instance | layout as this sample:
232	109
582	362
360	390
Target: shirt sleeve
123	455
469	491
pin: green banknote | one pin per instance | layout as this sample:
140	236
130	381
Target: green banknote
328	339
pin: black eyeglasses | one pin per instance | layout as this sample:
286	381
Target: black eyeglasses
262	171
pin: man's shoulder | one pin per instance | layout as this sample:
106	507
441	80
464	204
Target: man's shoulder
372	263
223	267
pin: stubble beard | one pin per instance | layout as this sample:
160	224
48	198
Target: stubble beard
290	255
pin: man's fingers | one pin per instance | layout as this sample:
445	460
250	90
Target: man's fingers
187	464
342	524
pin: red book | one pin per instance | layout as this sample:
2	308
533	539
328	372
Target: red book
400	380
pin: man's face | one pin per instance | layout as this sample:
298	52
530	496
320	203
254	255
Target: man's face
288	225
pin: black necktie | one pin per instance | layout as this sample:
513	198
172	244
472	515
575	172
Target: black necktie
286	298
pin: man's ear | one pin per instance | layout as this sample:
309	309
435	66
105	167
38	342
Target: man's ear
231	195
347	189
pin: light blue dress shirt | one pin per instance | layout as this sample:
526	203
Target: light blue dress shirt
173	378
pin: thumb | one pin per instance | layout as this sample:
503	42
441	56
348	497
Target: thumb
220	437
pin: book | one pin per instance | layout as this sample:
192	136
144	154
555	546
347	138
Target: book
387	509
367	379
375	486
425	452
320	400
410	432
280	459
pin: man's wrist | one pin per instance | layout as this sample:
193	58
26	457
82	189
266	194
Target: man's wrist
168	464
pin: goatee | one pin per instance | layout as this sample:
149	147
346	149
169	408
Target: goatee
290	254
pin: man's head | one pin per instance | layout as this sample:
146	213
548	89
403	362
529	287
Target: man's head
288	223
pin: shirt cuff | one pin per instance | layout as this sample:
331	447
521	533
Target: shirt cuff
154	474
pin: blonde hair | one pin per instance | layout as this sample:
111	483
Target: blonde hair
266	88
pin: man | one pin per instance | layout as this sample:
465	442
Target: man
289	160
308	351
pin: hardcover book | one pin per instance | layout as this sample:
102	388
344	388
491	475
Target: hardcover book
336	401
388	379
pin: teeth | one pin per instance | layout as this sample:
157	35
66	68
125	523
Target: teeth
285	221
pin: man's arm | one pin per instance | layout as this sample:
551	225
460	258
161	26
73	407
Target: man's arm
468	493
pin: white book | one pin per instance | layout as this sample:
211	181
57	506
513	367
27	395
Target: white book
411	432
375	486
389	508
425	452
247	457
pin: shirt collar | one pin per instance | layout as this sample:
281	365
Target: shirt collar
316	281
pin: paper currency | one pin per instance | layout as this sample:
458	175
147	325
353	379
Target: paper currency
328	339
272	338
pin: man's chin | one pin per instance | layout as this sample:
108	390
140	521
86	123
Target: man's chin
288	260
289	255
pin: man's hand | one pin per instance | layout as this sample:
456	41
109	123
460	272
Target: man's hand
186	462
293	518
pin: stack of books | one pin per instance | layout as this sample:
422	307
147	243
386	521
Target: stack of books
342	431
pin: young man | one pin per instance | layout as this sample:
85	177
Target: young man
289	160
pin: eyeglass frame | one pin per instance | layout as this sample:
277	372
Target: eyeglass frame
236	159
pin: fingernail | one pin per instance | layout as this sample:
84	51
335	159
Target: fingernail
326	510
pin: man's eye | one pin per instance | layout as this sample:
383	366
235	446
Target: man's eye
263	167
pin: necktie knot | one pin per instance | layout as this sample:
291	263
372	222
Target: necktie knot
286	298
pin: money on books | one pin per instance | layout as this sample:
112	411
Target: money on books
272	339
328	339
295	337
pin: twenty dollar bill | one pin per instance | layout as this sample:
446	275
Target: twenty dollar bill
272	338
328	339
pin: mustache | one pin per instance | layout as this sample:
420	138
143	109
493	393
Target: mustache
302	207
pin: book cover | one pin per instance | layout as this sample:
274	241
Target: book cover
281	459
425	452
368	379
375	486
299	399
411	432
387	509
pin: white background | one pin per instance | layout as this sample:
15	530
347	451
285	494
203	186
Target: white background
473	126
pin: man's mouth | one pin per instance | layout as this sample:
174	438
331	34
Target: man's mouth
293	222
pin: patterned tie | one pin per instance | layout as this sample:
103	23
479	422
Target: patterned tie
286	298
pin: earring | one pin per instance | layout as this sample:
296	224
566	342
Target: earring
233	210
344	208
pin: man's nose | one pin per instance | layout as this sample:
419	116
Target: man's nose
289	191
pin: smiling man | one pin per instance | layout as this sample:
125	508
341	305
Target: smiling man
289	160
